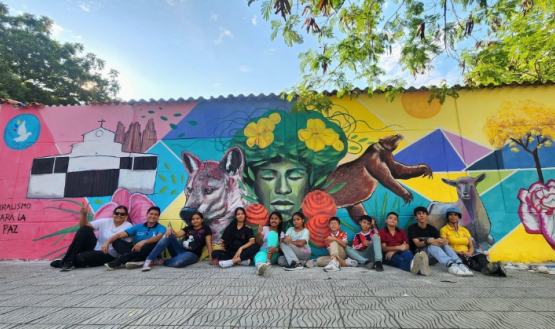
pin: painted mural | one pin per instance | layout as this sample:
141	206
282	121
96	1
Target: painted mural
488	153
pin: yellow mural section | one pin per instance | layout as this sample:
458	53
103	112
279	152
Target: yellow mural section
521	247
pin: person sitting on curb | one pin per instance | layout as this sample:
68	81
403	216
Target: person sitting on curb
145	236
395	247
425	238
296	246
460	241
367	247
335	243
85	249
195	237
268	238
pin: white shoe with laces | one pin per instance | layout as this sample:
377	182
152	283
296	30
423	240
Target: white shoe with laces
225	263
147	265
245	262
332	266
455	270
351	262
465	270
261	268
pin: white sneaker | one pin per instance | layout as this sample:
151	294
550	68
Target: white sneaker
261	268
310	263
465	269
351	262
455	270
416	263
332	266
425	267
245	262
147	265
225	263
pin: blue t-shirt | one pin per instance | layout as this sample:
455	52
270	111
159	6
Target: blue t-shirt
142	232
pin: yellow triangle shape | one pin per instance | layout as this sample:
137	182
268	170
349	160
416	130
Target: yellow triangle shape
522	247
435	189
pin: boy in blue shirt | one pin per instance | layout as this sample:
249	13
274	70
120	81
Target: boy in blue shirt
145	236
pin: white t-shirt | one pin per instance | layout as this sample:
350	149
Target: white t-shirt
304	234
106	229
265	231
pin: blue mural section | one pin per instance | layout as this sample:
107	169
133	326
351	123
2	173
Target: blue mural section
507	159
170	178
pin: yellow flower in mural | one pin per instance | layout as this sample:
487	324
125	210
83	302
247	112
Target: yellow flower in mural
261	133
317	136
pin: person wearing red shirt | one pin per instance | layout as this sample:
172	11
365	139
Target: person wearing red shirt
335	243
395	246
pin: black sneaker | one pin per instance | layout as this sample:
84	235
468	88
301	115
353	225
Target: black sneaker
378	267
369	264
113	265
501	270
66	267
294	266
57	263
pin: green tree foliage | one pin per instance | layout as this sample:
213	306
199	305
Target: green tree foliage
36	68
494	41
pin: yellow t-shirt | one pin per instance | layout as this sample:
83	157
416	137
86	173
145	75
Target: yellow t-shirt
458	240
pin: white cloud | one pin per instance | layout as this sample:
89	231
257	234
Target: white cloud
385	5
244	68
223	35
217	85
214	17
254	21
78	37
273	49
56	29
84	7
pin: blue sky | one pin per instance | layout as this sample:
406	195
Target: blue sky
190	48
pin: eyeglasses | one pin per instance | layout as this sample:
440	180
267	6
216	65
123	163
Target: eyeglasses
122	214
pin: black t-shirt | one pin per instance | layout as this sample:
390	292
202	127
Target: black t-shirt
415	232
239	237
195	240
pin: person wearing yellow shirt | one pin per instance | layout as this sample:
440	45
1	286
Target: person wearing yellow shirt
460	241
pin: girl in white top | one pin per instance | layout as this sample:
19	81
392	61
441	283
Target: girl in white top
295	245
267	238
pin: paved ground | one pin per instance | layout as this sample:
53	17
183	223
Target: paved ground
33	295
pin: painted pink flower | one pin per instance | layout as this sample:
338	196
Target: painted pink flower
136	203
536	210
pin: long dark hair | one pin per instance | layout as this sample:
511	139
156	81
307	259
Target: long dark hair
232	227
277	213
300	214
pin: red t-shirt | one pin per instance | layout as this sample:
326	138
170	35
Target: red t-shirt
340	235
390	240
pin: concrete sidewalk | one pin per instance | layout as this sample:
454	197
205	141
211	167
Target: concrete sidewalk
33	295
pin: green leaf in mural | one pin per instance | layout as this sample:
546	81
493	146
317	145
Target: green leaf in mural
259	163
251	174
353	148
163	190
241	185
248	198
174	180
327	184
181	135
173	192
193	123
249	188
98	201
370	143
312	178
182	179
64	231
162	177
320	180
354	137
167	166
362	140
151	112
173	126
336	188
177	115
163	118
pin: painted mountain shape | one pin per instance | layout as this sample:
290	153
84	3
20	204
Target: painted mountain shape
507	159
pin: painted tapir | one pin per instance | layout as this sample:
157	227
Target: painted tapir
474	215
213	189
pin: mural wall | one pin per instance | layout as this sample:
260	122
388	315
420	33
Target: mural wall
488	153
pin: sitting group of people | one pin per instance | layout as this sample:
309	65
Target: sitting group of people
120	243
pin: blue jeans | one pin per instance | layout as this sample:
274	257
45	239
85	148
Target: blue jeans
444	255
400	260
180	256
272	241
372	253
